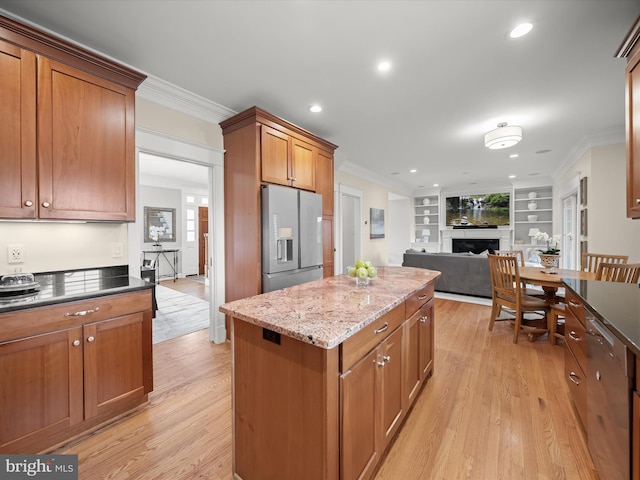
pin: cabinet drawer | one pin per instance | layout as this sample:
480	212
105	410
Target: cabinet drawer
419	298
356	346
574	336
577	382
34	321
575	306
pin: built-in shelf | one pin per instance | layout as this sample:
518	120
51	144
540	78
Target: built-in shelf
426	207
528	202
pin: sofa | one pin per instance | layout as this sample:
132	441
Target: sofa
461	273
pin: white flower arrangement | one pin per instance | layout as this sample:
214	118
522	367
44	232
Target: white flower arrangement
154	233
555	240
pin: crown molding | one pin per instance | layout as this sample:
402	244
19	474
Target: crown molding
353	169
177	98
611	136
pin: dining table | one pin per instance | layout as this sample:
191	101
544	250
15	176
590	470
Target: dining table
550	279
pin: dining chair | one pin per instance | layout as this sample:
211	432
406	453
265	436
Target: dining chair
519	254
591	261
507	293
618	272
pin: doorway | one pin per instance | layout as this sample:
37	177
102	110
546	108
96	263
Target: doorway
570	231
203	238
186	153
349	227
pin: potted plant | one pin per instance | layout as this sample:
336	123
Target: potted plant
549	257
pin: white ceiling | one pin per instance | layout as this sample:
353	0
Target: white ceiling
455	73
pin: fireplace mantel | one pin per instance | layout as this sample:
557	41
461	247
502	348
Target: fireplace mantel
503	233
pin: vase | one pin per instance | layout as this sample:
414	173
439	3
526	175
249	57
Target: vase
549	261
532	205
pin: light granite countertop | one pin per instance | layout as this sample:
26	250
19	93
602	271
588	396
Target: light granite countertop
326	312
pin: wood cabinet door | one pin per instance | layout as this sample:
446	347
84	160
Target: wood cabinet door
413	370
633	135
635	436
324	181
18	132
117	362
360	439
303	165
40	388
275	154
393	402
86	150
426	343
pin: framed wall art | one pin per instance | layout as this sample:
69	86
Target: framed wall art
159	225
376	221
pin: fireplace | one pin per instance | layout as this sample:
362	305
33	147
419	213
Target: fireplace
475	245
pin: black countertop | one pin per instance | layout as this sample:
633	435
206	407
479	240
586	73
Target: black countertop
67	286
617	305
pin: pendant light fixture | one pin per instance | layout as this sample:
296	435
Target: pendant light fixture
503	137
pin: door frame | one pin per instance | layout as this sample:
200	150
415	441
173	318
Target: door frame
341	190
157	143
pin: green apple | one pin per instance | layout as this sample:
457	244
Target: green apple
368	264
359	263
362	272
351	271
372	272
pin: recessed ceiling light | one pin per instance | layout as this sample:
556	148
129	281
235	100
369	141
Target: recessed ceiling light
413	170
512	176
315	108
520	30
384	66
436	185
514	155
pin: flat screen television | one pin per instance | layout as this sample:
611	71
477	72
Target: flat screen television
489	209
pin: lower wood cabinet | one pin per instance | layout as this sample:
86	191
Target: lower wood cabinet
57	384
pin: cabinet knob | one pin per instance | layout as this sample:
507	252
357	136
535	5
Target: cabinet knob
90	339
424	319
76	343
637	201
46	204
386	358
28	203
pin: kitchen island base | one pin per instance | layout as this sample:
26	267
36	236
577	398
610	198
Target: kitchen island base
302	409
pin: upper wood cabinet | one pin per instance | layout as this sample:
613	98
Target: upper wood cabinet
630	49
287	160
261	148
68	152
18	133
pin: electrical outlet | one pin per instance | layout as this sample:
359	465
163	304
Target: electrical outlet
15	253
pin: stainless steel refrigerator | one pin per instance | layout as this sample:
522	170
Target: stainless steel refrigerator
291	237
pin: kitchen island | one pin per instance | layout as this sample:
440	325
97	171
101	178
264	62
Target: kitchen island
325	372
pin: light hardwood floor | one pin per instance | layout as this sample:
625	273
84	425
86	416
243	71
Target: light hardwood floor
492	410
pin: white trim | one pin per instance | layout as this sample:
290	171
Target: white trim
364	173
168	95
158	143
612	136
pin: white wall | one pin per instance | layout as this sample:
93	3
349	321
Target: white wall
53	246
162	198
399	228
609	231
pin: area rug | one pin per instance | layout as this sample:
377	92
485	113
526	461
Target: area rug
178	314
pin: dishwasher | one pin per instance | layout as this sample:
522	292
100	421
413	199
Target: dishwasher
609	372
